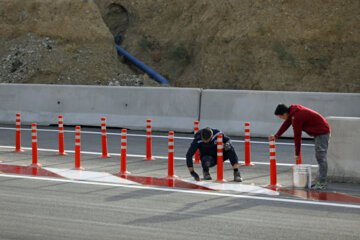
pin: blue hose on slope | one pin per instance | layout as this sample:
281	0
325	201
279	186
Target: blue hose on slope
160	79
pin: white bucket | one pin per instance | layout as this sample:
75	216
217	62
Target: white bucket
302	176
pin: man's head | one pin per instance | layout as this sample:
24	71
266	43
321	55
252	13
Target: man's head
282	111
206	134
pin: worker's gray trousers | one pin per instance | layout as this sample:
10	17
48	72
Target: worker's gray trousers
321	147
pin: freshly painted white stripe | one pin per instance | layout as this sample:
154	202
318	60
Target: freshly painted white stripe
106	177
157	136
142	156
236	187
206	193
89	176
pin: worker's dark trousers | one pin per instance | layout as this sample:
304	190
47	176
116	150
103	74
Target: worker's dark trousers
321	147
208	161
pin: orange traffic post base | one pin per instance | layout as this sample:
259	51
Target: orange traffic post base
18	134
148	141
105	153
78	149
273	174
61	136
220	169
197	155
123	170
171	156
34	146
247	146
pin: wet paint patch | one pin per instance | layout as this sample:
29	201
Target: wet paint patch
27	170
164	182
320	196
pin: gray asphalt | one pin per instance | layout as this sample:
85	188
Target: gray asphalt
36	208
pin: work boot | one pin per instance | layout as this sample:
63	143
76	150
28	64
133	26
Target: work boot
207	175
319	186
237	177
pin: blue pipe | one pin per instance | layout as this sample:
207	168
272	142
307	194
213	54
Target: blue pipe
160	79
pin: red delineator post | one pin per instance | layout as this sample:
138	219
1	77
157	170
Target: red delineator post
78	148
104	139
18	134
273	175
34	146
197	155
123	152
148	141
247	146
171	156
300	159
220	169
61	136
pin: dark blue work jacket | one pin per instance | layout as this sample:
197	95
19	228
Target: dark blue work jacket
209	148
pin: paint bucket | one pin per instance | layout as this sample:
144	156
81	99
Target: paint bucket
301	176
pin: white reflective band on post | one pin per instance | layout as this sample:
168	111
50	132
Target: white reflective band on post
77	144
220	146
272	158
123	140
77	137
123	147
171	150
219	154
272	149
103	127
171	144
34	140
34	134
148	129
61	125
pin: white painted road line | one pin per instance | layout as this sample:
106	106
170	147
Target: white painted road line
234	187
89	176
207	193
140	156
154	136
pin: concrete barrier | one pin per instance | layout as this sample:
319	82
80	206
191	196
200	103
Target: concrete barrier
169	108
344	150
228	110
127	107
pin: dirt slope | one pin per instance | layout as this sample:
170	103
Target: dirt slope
264	45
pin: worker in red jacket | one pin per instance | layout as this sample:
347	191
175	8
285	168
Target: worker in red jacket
315	125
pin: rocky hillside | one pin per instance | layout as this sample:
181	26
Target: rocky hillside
294	45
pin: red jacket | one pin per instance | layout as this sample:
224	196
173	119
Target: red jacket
304	119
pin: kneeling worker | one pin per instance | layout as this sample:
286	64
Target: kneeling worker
206	141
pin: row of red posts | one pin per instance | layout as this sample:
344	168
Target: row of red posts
123	170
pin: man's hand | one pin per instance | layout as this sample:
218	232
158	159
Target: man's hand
297	158
195	175
227	146
272	137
